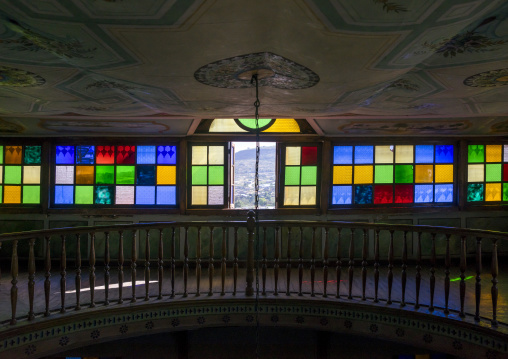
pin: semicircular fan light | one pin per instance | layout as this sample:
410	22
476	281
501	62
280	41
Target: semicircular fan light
279	125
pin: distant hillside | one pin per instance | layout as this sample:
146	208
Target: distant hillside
267	154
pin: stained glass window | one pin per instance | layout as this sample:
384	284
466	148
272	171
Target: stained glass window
279	125
300	176
20	175
487	173
207	175
398	174
123	175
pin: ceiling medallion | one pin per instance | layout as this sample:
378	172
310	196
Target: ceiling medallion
12	77
493	78
272	70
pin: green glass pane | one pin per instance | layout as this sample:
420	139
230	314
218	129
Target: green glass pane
32	155
383	174
251	123
475	153
404	174
216	175
1	155
475	192
309	175
12	174
32	194
505	192
493	172
105	174
125	174
292	176
84	195
199	175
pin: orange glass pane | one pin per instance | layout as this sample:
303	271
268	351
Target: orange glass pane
166	174
424	173
493	192
363	174
284	125
444	173
493	153
342	174
84	174
384	154
13	155
12	194
291	196
199	195
293	156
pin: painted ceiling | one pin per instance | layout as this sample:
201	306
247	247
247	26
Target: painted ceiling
158	67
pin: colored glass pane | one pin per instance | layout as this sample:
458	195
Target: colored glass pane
166	155
293	156
104	194
13	155
308	196
32	155
475	173
363	194
64	155
166	195
1	177
1	194
505	192
384	154
475	153
493	192
215	195
124	195
225	125
475	192
31	174
105	155
443	193
64	175
284	125
403	173
444	173
493	172
216	175
363	174
505	153
126	155
251	122
291	196
145	175
424	154
216	155
125	174
146	155
84	174
199	155
404	154
12	175
493	153
364	154
199	175
12	194
145	195
1	155
383	194
403	193
292	176
166	174
424	173
85	155
342	194
309	156
444	154
105	174
505	172
343	155
309	175
342	174
84	195
64	194
383	174
199	195
424	193
31	194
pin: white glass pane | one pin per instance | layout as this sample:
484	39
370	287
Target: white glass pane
124	195
64	175
215	195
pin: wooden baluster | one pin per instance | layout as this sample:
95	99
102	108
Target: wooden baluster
404	270
120	268
300	263
313	262
78	271
210	264
160	263
186	260
418	278
147	265
249	277
494	290
390	268
325	264
198	263
447	273
173	261
376	266
47	274
263	266
288	265
223	261
107	260
478	285
31	279
134	258
462	275
14	281
276	261
364	263
432	271
351	263
235	260
63	274
92	270
339	263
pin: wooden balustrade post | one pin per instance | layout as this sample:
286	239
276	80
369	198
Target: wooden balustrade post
418	278
77	279
351	263
198	263
390	268
478	285
31	279
134	258
288	264
276	260
364	263
432	272
263	263
121	260
313	262
300	264
325	264
447	274
211	267
462	275
14	281
63	274
404	270
47	274
173	261
338	269
376	266
147	265
235	260
92	269
107	260
160	263
251	226
186	260
494	291
223	260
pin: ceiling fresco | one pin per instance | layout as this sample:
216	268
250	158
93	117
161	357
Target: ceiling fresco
352	67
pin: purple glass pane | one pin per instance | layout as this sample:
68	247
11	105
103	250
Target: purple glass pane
64	155
166	155
444	154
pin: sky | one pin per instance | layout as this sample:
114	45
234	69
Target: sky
240	146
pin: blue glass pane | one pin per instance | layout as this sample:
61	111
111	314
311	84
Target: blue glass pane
146	155
64	194
424	154
85	154
424	193
343	155
145	194
64	155
363	194
104	194
166	195
145	175
166	155
444	154
444	193
342	195
364	154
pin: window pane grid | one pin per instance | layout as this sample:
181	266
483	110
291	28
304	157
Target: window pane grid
207	172
301	176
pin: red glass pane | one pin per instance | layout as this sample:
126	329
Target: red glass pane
404	193
383	194
125	155
309	156
505	172
105	155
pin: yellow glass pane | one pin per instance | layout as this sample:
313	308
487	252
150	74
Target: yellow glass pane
493	153
308	196
13	155
84	174
291	196
199	155
1	178
293	156
404	154
342	174
225	125
363	174
199	195
444	173
475	173
31	174
284	125
424	173
166	174
12	194
493	192
216	155
384	154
